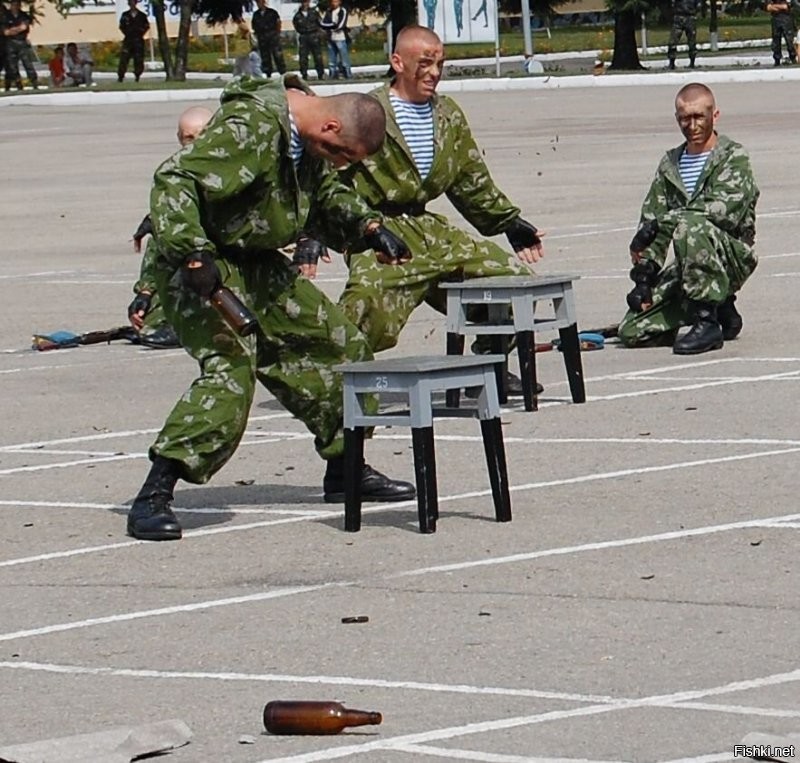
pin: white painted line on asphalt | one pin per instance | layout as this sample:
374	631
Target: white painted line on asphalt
301	679
66	464
765	712
420	571
450	498
484	757
529	720
233	509
380	683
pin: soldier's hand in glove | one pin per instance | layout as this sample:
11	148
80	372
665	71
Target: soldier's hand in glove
307	253
645	275
145	229
138	308
389	249
642	239
526	240
200	274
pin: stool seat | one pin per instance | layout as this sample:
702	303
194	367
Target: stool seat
419	377
511	303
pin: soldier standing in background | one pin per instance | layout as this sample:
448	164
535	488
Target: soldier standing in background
134	26
780	12
16	27
267	29
306	24
684	21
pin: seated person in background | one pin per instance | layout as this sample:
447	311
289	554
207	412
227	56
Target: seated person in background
702	205
57	67
79	66
145	312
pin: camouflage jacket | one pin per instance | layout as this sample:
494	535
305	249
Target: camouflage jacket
726	194
390	176
235	189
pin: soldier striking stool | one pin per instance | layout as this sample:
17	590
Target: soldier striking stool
522	294
419	377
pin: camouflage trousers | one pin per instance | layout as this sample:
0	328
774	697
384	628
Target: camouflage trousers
379	299
310	43
19	52
709	266
783	29
682	25
301	335
271	50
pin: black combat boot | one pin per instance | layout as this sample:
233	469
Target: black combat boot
729	319
691	63
672	64
705	333
151	517
374	485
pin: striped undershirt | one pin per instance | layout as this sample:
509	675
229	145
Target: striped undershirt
690	167
416	123
296	146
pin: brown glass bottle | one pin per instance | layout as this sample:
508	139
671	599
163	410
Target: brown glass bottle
233	311
300	717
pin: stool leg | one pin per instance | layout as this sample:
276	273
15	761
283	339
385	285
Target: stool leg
425	471
353	468
571	348
499	346
527	369
492	432
455	346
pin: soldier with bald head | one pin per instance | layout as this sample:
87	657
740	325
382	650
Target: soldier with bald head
221	208
429	152
702	206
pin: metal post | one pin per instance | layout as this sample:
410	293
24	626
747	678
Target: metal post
644	34
526	28
496	38
713	27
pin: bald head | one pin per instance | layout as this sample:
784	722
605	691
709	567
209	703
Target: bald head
695	91
410	37
363	119
418	63
191	123
696	113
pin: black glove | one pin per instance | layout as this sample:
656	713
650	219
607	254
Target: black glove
522	235
383	240
308	251
141	303
645	275
645	236
145	229
201	274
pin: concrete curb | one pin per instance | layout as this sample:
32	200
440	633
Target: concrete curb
753	73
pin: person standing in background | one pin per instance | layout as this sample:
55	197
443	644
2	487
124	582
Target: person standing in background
134	26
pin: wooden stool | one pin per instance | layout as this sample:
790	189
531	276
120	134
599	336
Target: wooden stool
419	377
522	294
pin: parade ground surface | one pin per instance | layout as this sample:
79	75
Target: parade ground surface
641	606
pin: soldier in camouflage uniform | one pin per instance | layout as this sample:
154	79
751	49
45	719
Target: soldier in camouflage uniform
381	300
780	12
221	208
16	27
711	227
684	21
134	26
267	29
309	38
145	312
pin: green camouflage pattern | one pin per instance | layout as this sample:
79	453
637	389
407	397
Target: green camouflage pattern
380	299
234	192
155	319
682	24
711	232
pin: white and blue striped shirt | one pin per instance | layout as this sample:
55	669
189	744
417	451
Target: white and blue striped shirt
690	167
296	147
416	123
